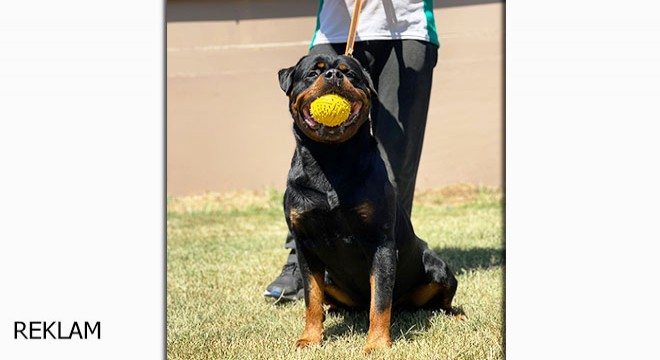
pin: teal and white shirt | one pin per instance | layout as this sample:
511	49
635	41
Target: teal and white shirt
379	20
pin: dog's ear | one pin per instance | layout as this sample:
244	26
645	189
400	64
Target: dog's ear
286	79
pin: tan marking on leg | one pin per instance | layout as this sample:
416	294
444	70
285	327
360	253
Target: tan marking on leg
379	323
420	296
339	295
314	316
424	293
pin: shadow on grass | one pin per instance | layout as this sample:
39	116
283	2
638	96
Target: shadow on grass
406	324
464	260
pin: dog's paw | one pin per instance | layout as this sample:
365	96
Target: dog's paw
460	317
305	342
377	343
456	314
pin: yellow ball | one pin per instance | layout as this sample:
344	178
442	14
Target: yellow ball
330	109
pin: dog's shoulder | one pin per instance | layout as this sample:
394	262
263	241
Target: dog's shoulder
308	187
345	181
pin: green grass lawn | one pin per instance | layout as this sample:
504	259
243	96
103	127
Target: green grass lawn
224	249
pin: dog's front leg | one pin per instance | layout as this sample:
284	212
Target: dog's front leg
313	275
382	277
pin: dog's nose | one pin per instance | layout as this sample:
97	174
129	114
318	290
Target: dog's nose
334	76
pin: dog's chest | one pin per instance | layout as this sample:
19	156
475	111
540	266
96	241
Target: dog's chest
339	224
339	238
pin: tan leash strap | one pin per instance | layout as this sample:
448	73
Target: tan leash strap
353	30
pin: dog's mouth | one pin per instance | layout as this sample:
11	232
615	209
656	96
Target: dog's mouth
336	130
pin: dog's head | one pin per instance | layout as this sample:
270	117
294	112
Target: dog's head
317	75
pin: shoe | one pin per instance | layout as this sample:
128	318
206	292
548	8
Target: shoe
287	286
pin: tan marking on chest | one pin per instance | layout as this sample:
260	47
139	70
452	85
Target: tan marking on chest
365	212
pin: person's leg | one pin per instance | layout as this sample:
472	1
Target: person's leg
288	285
404	89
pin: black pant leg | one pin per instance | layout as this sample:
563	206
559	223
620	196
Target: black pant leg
404	93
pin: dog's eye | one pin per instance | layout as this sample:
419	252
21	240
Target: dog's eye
351	75
313	74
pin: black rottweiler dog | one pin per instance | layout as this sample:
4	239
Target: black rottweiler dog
356	246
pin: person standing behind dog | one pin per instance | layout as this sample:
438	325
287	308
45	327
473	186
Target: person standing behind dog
397	43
